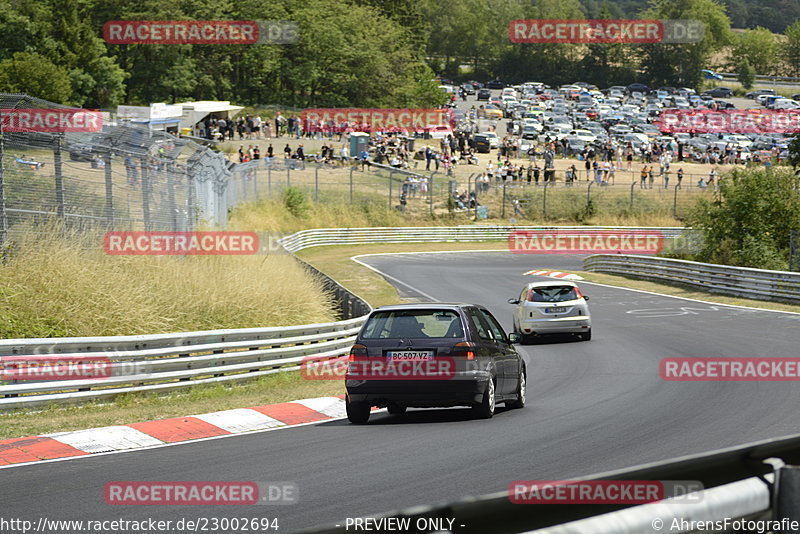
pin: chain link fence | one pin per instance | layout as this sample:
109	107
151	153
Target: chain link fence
128	177
117	176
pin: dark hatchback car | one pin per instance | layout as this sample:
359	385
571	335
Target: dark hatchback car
719	92
484	94
428	355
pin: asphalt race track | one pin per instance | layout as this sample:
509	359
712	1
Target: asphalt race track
592	406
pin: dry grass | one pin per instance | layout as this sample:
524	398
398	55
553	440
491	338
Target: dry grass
51	286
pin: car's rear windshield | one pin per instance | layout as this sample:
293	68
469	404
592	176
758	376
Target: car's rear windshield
553	294
413	324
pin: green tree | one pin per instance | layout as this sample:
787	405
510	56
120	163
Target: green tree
747	74
759	47
750	224
36	76
791	49
681	64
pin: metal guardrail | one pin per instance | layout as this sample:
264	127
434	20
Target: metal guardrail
753	482
779	80
166	362
422	234
780	286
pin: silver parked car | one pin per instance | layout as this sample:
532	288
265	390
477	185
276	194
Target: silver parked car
552	307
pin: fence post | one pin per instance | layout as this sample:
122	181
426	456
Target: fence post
633	184
316	184
503	210
352	168
145	195
109	193
190	200
589	196
289	176
3	219
173	210
544	199
675	203
430	192
60	208
391	175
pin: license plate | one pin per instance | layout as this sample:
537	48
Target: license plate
409	355
555	310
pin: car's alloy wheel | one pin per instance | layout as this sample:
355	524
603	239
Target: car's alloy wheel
485	410
357	412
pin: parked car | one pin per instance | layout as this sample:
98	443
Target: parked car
758	92
465	358
551	307
484	94
495	84
719	92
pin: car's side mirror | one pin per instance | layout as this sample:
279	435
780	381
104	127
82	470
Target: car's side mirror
585	297
514	337
513	301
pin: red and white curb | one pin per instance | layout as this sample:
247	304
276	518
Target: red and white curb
166	431
555	274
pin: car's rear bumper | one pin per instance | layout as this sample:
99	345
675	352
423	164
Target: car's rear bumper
461	390
560	325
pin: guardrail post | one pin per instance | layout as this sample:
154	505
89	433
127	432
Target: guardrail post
786	493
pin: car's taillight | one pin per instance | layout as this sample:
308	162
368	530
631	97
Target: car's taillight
530	296
578	294
357	350
465	349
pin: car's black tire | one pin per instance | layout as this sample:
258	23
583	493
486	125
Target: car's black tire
357	412
394	409
521	391
527	339
586	336
485	410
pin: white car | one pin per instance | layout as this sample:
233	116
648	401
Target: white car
551	307
494	141
584	135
